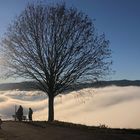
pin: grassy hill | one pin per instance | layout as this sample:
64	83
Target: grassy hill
62	130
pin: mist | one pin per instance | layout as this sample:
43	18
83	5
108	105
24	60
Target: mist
116	107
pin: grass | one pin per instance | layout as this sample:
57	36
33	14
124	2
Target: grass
97	129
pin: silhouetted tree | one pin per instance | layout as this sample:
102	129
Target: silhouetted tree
56	46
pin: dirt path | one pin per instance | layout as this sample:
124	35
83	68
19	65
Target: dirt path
23	131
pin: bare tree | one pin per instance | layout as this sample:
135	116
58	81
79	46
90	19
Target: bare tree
56	46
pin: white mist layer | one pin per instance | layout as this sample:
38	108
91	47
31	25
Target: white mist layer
112	106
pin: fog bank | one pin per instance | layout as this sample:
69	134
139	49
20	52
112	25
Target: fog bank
112	106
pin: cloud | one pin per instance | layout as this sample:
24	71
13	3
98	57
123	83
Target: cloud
113	106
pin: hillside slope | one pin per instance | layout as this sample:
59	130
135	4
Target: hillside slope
24	131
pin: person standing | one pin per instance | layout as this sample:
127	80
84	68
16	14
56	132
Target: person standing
30	114
19	113
0	122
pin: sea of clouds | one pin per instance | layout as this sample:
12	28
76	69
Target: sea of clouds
113	106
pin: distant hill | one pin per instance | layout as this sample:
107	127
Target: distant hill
117	83
108	83
19	86
31	85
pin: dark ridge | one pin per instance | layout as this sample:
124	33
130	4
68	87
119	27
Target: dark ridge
26	86
99	84
31	85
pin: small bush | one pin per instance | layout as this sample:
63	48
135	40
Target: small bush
103	126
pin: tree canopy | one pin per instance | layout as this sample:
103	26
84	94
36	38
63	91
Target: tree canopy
56	46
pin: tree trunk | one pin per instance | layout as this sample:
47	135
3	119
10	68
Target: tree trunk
51	109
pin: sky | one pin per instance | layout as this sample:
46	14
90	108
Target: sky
118	19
